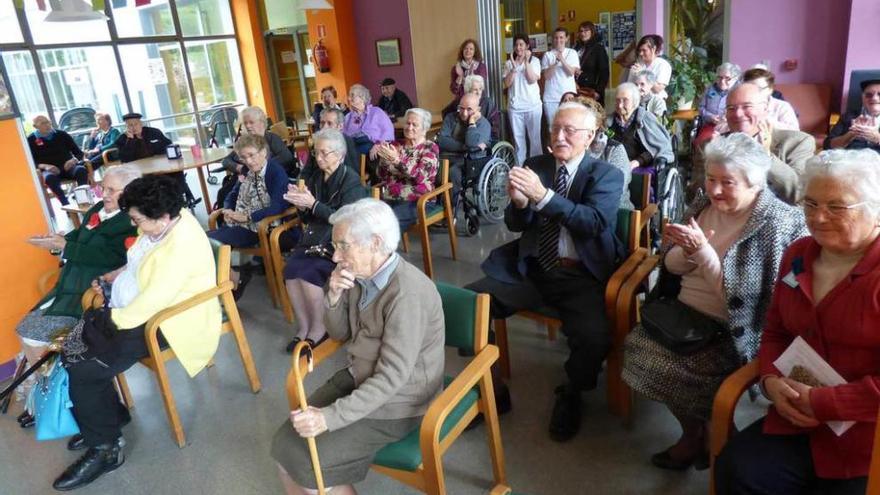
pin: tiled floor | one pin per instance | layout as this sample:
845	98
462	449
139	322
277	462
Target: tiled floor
229	429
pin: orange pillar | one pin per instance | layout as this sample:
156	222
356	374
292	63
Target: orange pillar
339	38
254	60
23	216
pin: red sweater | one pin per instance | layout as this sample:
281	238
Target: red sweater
844	328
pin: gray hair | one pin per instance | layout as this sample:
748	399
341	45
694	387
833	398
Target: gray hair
368	218
125	173
334	137
362	91
859	169
729	68
648	75
423	114
741	153
470	80
340	116
254	111
590	117
632	89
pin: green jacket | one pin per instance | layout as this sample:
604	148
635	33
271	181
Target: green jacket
89	254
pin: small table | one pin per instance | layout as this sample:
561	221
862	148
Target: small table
684	115
74	211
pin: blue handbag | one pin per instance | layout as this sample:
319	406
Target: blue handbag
51	405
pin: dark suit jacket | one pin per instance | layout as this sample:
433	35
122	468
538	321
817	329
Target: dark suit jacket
152	142
589	212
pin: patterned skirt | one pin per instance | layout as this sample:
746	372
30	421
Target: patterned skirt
43	328
686	384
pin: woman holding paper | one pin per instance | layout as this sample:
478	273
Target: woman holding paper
720	264
828	294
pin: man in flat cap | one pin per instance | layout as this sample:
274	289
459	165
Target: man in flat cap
394	102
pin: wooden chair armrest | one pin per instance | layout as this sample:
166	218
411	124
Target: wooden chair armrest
106	155
435	416
264	224
626	299
648	213
319	354
212	218
725	404
612	289
421	203
189	303
43	283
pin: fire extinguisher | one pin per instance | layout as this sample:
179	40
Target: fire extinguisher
322	58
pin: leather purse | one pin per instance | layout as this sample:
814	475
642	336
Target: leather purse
51	404
678	327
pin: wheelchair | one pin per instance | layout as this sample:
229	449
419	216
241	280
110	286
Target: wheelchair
484	187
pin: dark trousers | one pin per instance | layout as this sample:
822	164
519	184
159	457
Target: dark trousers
96	404
53	181
579	299
186	190
405	211
754	463
235	235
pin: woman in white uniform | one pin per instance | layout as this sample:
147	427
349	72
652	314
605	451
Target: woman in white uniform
521	74
560	65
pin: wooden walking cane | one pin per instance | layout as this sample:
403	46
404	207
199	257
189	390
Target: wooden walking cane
301	348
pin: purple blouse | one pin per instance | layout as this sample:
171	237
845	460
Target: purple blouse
374	123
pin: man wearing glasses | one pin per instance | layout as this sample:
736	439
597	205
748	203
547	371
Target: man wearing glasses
565	205
465	137
789	150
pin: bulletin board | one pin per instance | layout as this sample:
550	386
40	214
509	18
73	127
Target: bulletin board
623	30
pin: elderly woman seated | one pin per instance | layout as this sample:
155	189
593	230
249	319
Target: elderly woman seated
368	125
640	133
391	315
859	130
609	150
827	295
408	169
713	104
718	271
780	113
258	195
94	248
327	187
475	84
654	103
170	261
100	139
255	123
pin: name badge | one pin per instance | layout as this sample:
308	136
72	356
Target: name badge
790	280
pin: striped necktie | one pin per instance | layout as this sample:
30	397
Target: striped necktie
548	242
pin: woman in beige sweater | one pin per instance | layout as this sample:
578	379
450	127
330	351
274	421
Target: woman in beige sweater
391	316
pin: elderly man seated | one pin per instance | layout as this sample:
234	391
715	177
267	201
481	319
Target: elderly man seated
641	134
140	141
255	122
465	140
565	205
475	84
650	101
859	130
746	112
57	156
393	101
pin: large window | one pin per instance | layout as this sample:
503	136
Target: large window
173	62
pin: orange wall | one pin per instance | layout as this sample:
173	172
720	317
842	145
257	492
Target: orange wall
254	60
21	217
341	46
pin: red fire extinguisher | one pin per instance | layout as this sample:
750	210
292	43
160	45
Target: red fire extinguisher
322	58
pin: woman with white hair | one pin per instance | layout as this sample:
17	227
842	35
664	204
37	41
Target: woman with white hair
640	133
394	359
714	101
91	250
408	169
255	122
827	295
327	187
476	84
369	126
718	271
650	101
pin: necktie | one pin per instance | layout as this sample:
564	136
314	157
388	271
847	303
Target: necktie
548	242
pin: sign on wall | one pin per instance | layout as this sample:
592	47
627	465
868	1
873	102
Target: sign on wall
623	30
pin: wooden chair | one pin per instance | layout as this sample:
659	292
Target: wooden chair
430	212
416	460
158	356
640	195
281	130
262	248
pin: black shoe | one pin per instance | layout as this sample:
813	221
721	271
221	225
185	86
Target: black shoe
664	460
292	345
244	278
26	420
76	442
192	203
314	344
566	418
95	462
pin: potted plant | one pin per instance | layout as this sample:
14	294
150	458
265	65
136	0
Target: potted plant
692	73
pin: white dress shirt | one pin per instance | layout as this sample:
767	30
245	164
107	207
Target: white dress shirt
566	243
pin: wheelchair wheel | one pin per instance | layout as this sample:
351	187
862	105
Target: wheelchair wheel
505	151
472	223
491	190
672	199
213	180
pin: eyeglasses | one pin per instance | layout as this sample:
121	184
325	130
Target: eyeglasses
324	155
466	109
746	107
341	246
871	94
834	210
568	130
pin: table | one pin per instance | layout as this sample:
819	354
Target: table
74	210
684	115
160	164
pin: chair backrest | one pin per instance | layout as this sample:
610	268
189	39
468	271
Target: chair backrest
640	190
364	177
854	96
77	119
460	315
281	130
812	102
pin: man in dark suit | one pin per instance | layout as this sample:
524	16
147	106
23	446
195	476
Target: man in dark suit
565	205
139	141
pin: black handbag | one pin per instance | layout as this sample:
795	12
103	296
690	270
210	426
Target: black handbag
92	336
678	327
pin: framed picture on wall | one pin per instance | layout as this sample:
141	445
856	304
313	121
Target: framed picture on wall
388	52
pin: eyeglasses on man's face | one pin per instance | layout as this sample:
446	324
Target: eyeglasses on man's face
569	130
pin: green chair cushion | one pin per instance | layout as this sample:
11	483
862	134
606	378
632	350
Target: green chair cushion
406	454
637	189
459	308
433	208
624	224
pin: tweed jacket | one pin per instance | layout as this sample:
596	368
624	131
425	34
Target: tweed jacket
789	152
751	265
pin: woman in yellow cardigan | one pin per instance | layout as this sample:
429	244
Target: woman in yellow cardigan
171	261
